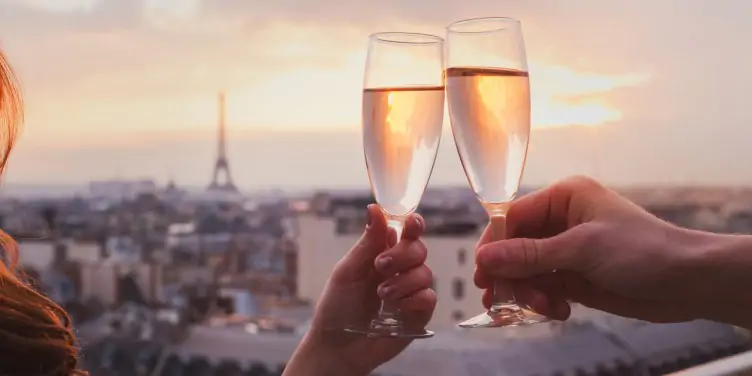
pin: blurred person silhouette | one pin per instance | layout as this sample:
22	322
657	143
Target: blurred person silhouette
579	241
377	266
36	338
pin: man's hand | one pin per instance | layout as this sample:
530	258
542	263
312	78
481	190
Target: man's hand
578	241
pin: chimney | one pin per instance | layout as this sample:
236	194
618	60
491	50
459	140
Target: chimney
291	266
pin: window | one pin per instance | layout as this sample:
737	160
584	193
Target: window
458	288
458	315
462	256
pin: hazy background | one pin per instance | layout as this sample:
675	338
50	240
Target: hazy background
634	92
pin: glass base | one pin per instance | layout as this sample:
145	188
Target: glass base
502	316
389	328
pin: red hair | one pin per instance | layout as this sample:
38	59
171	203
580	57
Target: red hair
36	337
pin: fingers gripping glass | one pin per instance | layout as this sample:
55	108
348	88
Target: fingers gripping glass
403	110
489	105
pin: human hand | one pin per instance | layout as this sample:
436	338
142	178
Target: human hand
607	253
350	296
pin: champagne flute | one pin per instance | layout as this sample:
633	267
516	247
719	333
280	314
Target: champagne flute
489	106
403	113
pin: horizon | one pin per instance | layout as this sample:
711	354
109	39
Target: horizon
197	189
555	153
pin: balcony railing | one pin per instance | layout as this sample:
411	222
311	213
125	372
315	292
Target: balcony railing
736	365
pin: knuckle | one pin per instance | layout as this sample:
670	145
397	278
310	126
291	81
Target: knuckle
479	251
431	297
482	281
583	182
531	253
424	300
419	250
483	257
409	303
478	278
424	274
577	183
420	277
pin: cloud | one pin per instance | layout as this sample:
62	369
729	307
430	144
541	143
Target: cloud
124	50
562	96
53	5
166	13
20	19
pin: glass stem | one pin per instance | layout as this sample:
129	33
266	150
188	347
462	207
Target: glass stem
503	293
388	313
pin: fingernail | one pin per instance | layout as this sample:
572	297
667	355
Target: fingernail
368	216
383	262
385	291
419	223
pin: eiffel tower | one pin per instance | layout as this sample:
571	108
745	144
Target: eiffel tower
221	165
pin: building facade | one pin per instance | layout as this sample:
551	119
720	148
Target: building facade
451	258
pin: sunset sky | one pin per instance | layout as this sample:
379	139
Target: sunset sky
126	88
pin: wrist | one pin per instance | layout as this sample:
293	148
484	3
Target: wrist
313	358
723	265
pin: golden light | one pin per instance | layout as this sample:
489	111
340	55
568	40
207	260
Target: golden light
310	79
563	97
397	119
489	91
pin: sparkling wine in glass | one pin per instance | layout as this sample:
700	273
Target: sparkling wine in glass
489	105
403	110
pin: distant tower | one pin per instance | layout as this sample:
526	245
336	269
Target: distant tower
221	166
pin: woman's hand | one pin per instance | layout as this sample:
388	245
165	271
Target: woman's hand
350	297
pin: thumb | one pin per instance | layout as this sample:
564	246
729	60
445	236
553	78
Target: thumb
523	257
371	243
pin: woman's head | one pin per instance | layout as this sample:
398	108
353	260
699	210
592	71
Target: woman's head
11	112
36	337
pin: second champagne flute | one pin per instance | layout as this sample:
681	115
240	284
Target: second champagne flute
403	113
489	106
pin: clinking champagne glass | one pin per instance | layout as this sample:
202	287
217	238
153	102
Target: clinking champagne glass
403	113
489	106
